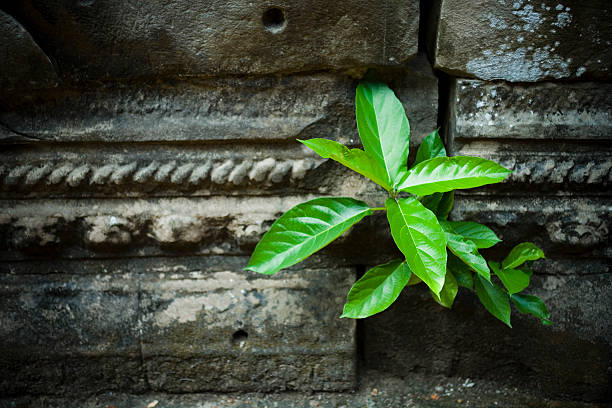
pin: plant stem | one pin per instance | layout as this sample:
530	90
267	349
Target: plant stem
378	209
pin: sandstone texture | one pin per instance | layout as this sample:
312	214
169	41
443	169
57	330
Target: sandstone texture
156	324
24	64
524	40
93	39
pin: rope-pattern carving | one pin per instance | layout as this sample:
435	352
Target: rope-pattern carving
557	170
228	172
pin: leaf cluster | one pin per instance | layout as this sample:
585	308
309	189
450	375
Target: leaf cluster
442	254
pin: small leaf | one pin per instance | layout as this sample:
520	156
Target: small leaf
525	251
383	128
479	234
465	250
461	271
430	147
515	280
442	174
355	159
532	305
376	290
493	298
418	235
303	230
440	204
446	204
448	292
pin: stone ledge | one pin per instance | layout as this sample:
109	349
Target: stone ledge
178	327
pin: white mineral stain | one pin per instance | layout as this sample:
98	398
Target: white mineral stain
563	20
519	65
532	18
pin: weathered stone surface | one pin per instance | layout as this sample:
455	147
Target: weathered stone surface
24	64
265	109
229	331
569	359
543	112
523	40
91	40
151	171
260	109
514	125
560	225
69	334
196	324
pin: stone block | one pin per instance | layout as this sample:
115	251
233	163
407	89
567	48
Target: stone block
92	40
174	325
524	41
540	112
233	331
563	226
262	109
67	334
569	359
514	125
24	64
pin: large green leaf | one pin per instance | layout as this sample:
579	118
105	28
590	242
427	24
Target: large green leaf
479	234
303	230
514	280
465	250
377	289
383	128
430	147
354	159
525	251
463	274
493	298
418	235
442	174
532	305
448	292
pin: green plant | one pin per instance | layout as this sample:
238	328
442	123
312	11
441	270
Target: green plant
441	253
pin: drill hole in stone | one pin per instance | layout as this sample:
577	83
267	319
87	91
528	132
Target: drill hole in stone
239	338
274	20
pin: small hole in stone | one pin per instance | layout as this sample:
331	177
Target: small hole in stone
274	20
239	338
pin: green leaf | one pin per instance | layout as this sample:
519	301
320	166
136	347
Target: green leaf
448	292
493	298
514	280
303	230
442	174
383	128
440	204
377	289
479	234
418	235
532	305
355	159
461	272
465	250
430	147
525	251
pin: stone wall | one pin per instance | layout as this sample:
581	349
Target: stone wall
146	148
